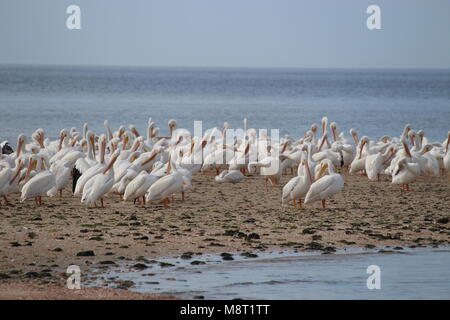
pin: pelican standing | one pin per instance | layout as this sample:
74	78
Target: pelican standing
326	186
100	184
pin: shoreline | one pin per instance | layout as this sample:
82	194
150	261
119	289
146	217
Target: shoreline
38	244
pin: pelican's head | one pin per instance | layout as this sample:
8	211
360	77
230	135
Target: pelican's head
333	125
21	140
364	140
324	165
155	132
427	148
134	130
400	165
151	124
172	125
83	143
90	137
412	136
314	128
63	134
421	133
226	125
121	132
34	149
324	124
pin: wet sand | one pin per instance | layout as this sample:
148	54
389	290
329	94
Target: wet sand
37	244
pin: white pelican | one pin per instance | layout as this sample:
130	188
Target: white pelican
162	189
39	185
240	160
374	163
298	186
100	184
359	163
218	158
326	186
94	170
5	177
109	134
270	168
84	163
9	180
405	172
233	176
431	165
139	186
61	171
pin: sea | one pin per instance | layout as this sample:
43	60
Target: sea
374	102
385	273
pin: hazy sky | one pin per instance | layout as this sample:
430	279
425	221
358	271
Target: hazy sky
240	33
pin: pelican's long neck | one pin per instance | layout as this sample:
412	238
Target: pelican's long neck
102	152
111	164
311	179
20	148
90	152
18	170
405	146
149	131
27	174
85	130
361	148
309	154
150	158
109	134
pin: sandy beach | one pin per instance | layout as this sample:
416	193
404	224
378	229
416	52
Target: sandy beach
37	244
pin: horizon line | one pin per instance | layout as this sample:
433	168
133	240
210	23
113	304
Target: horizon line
219	67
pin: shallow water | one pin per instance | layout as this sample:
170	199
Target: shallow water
375	102
405	274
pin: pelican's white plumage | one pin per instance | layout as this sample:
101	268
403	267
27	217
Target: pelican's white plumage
298	186
38	186
405	172
165	187
233	176
326	186
100	184
139	186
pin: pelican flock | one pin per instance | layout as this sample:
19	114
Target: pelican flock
125	164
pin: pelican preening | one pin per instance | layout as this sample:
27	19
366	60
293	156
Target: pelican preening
141	166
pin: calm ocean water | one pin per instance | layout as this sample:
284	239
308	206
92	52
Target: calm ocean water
407	274
374	102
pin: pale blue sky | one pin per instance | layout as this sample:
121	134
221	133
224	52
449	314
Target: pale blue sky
228	33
